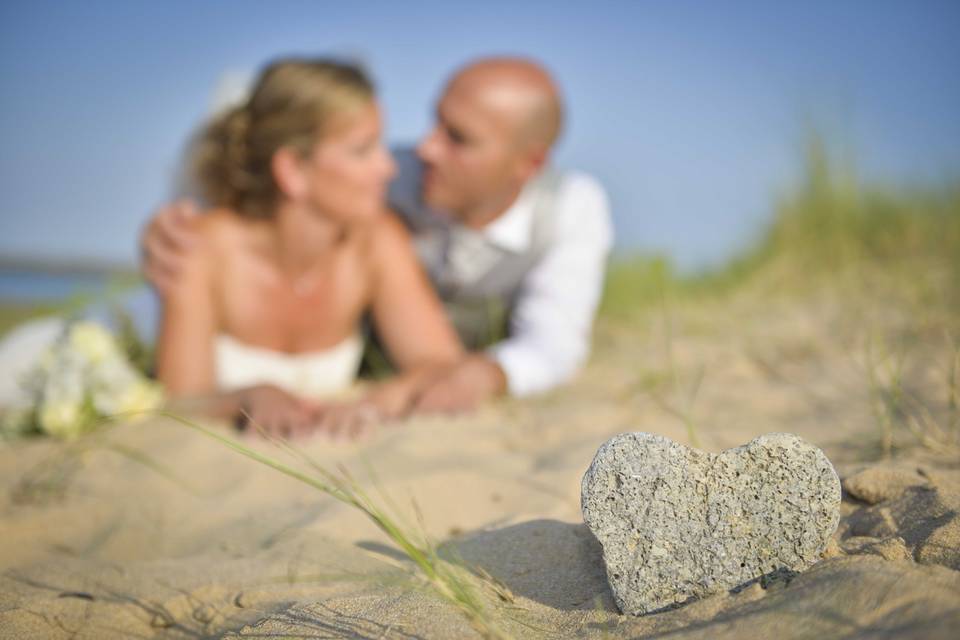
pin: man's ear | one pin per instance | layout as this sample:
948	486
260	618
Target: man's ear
532	162
289	173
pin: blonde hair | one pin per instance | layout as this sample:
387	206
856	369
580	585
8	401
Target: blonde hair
294	103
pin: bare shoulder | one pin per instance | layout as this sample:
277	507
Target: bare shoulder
387	237
390	229
221	234
218	225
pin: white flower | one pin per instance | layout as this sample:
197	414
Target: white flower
93	342
141	396
48	362
61	418
108	382
62	401
85	376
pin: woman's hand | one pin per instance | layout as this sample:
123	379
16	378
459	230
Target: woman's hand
275	411
281	414
387	401
346	421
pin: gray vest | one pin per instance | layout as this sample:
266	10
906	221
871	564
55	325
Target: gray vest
477	281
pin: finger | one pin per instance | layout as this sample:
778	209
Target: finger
186	208
322	423
174	226
348	424
163	225
360	425
339	425
271	423
178	234
264	424
162	281
356	421
311	425
160	254
158	263
294	423
332	425
309	407
368	417
302	420
290	417
302	424
431	401
280	427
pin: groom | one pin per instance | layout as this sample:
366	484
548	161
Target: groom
515	249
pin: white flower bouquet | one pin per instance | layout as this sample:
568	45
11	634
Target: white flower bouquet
81	379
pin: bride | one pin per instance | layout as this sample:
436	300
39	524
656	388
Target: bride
297	246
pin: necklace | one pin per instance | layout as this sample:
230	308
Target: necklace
306	283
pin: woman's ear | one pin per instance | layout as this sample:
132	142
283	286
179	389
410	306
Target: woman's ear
289	173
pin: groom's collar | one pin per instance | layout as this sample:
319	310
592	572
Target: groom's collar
513	229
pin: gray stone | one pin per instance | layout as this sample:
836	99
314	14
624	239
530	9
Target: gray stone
677	524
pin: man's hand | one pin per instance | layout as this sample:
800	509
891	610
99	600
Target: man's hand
463	386
165	240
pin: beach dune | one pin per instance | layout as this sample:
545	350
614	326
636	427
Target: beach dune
155	530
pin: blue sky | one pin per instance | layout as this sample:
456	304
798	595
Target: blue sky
691	113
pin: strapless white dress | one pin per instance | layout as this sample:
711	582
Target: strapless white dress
314	374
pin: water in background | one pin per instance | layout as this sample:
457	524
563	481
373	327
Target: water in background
33	286
94	295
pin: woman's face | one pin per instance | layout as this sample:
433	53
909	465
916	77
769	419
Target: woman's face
348	170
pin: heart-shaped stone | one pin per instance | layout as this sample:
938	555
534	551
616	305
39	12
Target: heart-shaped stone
677	523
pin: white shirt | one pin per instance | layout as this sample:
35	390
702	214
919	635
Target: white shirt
551	323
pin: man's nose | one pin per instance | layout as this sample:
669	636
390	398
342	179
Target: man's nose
428	147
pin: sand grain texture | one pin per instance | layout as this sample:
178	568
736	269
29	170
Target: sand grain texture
99	545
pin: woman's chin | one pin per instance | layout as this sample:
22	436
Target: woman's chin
370	211
357	214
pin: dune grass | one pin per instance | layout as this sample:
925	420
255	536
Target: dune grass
451	580
829	225
883	252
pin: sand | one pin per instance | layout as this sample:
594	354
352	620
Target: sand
206	543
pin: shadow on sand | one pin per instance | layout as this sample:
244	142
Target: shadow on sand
557	564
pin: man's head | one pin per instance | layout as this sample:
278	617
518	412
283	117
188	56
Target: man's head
496	122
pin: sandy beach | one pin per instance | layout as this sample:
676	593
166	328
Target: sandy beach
155	530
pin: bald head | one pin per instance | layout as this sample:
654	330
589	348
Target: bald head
521	91
496	121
